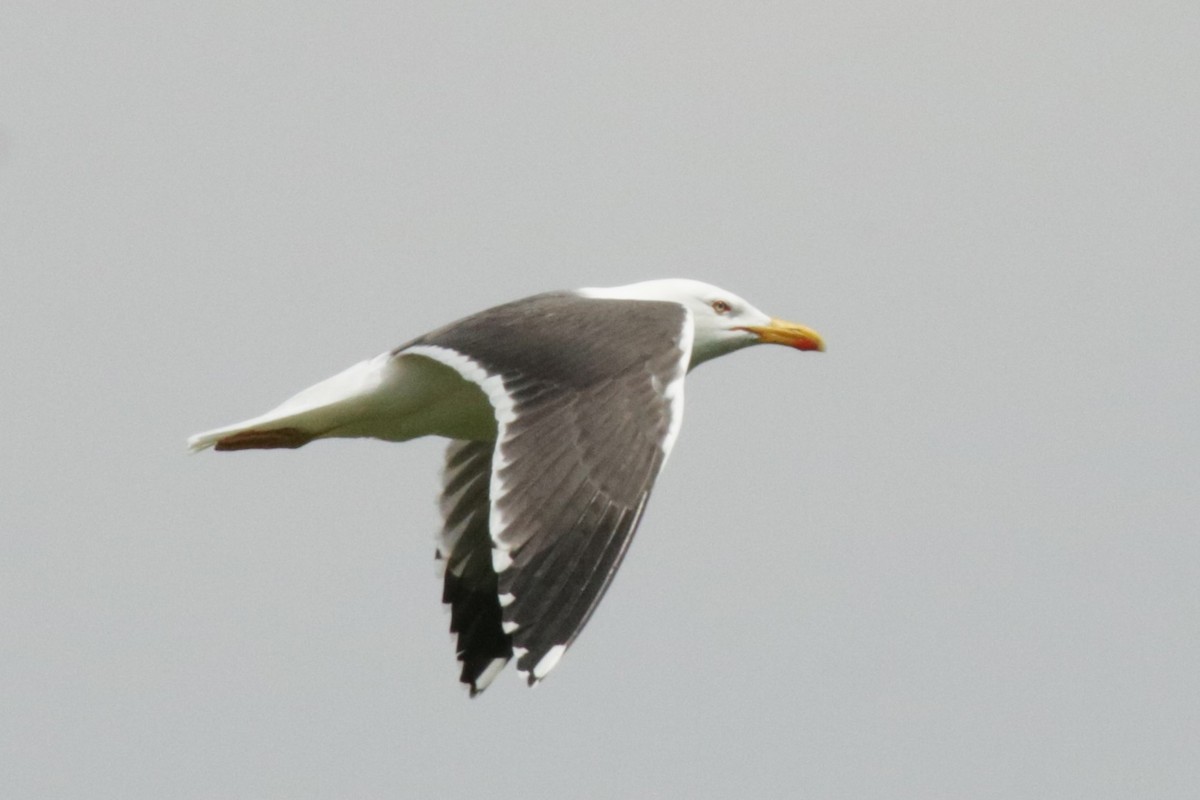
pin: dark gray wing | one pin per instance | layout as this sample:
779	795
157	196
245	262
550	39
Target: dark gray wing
589	396
465	547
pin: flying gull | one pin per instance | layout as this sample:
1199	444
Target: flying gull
561	409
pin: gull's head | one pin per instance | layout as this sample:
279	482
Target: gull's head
722	321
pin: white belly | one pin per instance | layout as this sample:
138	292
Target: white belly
416	396
390	397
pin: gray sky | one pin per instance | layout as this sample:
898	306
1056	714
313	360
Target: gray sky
955	556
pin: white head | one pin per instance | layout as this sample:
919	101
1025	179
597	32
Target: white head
722	321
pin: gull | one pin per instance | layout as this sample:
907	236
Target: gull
561	409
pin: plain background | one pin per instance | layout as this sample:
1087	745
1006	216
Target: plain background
956	556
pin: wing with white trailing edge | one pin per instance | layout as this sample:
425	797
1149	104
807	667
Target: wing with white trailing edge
584	427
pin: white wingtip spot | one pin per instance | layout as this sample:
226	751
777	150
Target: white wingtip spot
519	654
549	661
507	599
501	560
458	569
509	627
489	673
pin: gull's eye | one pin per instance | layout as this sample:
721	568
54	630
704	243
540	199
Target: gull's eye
721	307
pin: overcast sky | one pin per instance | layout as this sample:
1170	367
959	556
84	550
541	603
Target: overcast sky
954	557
